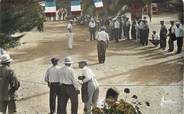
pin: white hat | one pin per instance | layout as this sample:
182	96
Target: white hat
6	58
68	60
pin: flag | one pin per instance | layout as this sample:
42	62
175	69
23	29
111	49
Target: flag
75	7
98	3
50	6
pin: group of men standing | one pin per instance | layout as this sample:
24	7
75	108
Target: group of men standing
64	84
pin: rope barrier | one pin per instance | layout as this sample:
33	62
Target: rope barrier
106	85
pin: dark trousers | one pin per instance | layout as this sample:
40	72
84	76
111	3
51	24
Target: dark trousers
92	33
116	34
163	42
101	46
11	105
171	42
52	96
67	92
127	33
179	44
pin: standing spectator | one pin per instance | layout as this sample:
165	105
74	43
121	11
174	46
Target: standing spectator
69	88
2	51
145	33
92	29
133	30
9	84
59	13
111	24
179	37
102	44
123	25
70	34
117	29
52	79
172	36
163	35
90	87
127	28
137	27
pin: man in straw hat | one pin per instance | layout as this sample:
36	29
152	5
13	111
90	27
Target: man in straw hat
69	88
102	44
90	87
8	86
52	79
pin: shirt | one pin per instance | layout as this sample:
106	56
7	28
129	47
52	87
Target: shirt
51	75
102	36
67	76
2	51
155	37
69	27
89	75
92	24
179	32
117	24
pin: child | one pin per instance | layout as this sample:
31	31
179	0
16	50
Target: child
155	39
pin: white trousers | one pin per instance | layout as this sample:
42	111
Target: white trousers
70	40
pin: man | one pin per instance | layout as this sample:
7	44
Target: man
92	29
145	33
163	35
179	37
172	36
127	29
102	44
69	88
52	79
117	29
70	34
2	51
91	93
8	86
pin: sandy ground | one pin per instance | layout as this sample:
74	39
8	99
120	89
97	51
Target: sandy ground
149	72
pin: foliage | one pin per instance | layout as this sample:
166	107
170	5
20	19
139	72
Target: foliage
17	16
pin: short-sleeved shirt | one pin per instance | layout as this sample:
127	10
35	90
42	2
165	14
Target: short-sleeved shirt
102	36
51	75
67	76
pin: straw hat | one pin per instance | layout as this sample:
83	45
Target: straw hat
6	58
68	60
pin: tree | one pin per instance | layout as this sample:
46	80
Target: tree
17	16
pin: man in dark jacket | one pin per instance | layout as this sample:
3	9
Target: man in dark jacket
8	86
163	35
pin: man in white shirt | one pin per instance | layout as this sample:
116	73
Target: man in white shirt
92	87
92	29
127	28
102	44
52	79
70	34
117	29
172	36
179	37
69	88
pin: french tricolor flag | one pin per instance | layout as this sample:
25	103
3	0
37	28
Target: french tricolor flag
50	6
75	7
98	3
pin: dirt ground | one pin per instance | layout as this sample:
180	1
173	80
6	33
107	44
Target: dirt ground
149	72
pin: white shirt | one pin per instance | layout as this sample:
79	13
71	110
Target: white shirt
69	27
117	24
92	24
155	37
51	75
68	77
89	75
179	32
102	36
